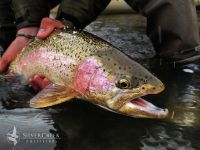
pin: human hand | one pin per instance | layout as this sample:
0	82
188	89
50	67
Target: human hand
39	82
47	26
16	46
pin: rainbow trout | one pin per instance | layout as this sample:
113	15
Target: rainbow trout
81	65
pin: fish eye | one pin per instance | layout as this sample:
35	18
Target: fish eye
123	84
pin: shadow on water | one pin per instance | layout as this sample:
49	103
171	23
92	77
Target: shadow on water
79	125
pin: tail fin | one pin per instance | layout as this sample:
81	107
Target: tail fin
14	91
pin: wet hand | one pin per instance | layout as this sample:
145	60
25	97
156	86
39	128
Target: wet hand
47	26
16	46
38	82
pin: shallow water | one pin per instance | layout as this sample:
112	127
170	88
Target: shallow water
80	125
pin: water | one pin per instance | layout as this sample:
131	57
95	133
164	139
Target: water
80	125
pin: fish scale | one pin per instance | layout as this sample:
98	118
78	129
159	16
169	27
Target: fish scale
65	44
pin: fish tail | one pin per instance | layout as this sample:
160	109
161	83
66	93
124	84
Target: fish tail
11	79
14	90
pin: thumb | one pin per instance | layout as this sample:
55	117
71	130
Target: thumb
43	33
47	26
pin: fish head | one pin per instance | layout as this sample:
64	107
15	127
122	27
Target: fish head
117	83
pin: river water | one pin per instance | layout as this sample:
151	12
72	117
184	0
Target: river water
82	126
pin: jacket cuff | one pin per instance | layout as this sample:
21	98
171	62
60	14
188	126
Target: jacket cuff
30	15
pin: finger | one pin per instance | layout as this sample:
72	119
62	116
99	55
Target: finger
15	48
44	33
42	81
36	82
3	65
46	22
45	83
39	82
33	84
12	51
38	77
47	27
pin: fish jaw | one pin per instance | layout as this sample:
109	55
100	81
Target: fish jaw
140	108
131	103
124	96
136	107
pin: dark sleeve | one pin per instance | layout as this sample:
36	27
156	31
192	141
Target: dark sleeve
81	12
30	12
7	26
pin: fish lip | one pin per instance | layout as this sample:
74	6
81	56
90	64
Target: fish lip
145	109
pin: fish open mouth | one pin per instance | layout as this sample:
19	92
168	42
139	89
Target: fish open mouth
141	108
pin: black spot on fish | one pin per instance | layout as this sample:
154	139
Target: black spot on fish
145	80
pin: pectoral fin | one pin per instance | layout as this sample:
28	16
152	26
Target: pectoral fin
52	95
